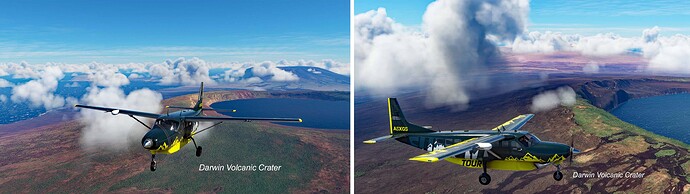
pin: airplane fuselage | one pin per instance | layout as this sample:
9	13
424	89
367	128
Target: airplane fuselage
170	132
510	154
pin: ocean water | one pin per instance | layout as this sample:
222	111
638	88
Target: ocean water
667	115
321	114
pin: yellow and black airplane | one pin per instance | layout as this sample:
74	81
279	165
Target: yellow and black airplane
173	130
501	148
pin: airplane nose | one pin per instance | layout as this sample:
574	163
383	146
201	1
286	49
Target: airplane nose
148	143
574	150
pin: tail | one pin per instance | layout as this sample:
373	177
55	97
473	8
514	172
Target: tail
398	124
199	104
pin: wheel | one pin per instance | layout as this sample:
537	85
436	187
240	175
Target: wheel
484	179
153	165
558	175
198	151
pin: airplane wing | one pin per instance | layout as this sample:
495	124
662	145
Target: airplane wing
116	111
210	118
515	123
458	148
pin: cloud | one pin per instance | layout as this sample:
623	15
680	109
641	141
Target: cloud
314	71
267	68
447	57
591	67
564	96
650	35
107	76
72	85
666	54
115	132
264	71
39	92
3	98
182	71
21	70
133	76
330	65
5	84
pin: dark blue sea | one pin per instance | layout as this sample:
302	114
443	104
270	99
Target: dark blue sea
321	114
664	115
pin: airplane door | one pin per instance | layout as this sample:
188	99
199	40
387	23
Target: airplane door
516	149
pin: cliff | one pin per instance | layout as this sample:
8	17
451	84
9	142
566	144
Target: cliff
610	93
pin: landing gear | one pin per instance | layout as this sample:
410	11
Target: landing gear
558	175
153	162
198	148
484	179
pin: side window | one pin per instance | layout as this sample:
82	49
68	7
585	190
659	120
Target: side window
515	144
449	142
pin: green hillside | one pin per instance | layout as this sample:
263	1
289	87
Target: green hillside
233	143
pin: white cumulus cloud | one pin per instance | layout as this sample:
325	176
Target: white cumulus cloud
40	92
446	57
551	99
115	132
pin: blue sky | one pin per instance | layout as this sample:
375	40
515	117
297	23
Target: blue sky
586	17
152	31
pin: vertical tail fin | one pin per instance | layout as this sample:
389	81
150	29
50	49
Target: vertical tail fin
199	104
397	121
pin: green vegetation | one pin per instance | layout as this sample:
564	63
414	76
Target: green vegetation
359	173
686	167
240	144
598	122
662	153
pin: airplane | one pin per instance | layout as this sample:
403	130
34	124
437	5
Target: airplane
173	130
501	148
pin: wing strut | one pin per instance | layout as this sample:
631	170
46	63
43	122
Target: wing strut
140	122
197	132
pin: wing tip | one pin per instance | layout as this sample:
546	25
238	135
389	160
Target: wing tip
425	159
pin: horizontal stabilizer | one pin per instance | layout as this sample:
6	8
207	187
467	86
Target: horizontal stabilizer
378	139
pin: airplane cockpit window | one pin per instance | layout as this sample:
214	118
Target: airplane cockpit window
168	124
528	140
533	139
524	140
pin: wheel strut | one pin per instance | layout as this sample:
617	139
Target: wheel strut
153	162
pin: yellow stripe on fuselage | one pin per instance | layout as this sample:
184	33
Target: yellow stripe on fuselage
494	164
390	117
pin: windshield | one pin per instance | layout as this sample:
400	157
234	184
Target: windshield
528	140
167	124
